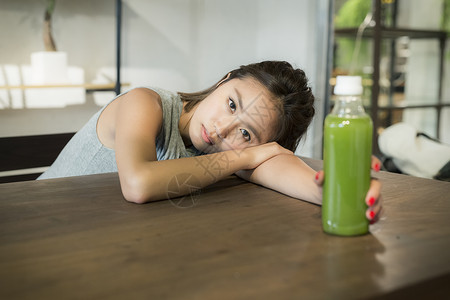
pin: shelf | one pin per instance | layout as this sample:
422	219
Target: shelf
393	33
88	86
114	87
377	34
411	106
365	82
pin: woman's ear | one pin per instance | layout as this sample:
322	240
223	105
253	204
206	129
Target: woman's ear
223	80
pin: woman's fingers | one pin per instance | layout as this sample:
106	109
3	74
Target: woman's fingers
375	214
373	201
319	178
373	196
374	192
376	164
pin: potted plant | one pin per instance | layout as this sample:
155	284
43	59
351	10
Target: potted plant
49	66
49	42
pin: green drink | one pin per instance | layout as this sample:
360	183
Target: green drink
347	160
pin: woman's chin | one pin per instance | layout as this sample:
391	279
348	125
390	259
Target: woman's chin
205	148
209	150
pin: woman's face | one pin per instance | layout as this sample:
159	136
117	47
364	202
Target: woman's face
237	115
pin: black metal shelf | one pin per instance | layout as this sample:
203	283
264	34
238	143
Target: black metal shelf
416	106
393	33
118	84
118	44
378	33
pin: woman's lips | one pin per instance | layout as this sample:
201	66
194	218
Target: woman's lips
205	136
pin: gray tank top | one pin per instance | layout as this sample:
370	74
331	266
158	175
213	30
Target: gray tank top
85	154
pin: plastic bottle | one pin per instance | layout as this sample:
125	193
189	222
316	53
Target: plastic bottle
347	160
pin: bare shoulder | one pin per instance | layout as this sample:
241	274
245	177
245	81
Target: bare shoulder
138	111
141	107
142	98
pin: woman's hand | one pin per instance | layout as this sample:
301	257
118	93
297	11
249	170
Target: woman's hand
373	196
256	155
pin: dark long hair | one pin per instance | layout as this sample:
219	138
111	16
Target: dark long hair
288	86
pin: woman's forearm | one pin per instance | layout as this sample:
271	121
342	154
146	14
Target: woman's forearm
157	180
287	174
146	180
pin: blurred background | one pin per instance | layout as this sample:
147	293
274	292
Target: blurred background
187	45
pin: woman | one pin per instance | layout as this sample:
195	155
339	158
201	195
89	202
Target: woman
247	124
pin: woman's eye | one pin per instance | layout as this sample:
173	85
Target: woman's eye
231	104
246	134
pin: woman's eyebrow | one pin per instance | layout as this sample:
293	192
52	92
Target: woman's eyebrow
242	108
239	99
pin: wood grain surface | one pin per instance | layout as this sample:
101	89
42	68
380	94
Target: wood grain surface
77	238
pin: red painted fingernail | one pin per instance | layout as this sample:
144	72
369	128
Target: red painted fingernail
371	201
377	167
371	214
317	176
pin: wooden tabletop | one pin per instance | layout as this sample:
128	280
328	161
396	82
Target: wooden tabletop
77	238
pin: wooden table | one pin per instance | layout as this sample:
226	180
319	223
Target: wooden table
77	238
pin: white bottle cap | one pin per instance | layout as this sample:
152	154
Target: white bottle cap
348	85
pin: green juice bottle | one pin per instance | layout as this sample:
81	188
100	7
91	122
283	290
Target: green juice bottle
347	160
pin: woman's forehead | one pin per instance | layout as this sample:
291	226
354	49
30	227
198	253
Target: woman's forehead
250	91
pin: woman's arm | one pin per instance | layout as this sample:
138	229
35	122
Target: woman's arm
137	122
287	174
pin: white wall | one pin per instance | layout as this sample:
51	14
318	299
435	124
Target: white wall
181	45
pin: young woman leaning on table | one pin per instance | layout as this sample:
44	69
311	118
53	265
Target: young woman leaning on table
246	124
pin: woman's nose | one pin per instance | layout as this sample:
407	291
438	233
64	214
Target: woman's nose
225	126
